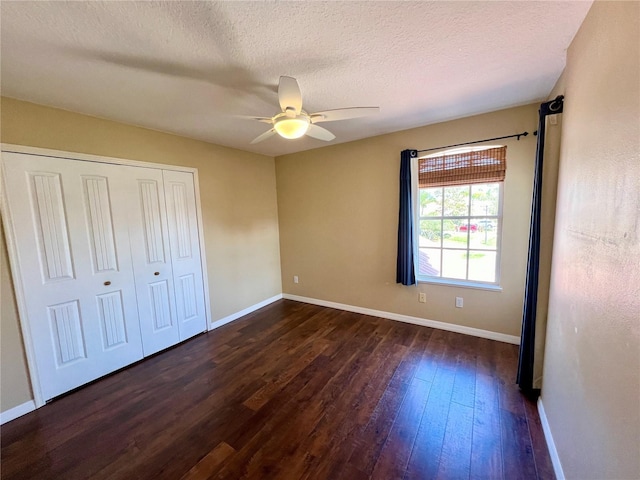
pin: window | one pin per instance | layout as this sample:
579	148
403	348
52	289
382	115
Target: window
459	216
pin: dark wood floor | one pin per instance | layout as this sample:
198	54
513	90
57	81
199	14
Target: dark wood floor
294	391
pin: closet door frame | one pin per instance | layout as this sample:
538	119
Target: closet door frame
16	275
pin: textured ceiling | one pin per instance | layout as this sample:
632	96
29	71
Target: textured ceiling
189	67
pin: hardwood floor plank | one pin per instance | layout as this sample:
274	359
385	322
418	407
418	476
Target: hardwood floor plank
486	359
516	447
455	458
432	355
173	452
424	461
280	427
464	384
369	443
394	456
281	404
342	471
210	463
486	449
310	426
319	371
278	341
349	412
331	459
293	391
289	370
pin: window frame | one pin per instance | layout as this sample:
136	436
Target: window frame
496	285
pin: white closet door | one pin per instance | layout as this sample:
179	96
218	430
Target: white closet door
151	258
185	252
73	253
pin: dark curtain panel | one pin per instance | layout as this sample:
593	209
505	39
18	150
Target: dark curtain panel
528	339
405	271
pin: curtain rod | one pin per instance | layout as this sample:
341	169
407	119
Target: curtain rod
518	135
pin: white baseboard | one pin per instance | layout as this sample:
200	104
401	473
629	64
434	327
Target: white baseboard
476	332
16	412
242	313
551	445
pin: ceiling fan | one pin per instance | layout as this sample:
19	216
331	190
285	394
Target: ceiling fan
293	122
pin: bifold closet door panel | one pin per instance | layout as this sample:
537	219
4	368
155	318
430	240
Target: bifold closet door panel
69	223
184	241
151	254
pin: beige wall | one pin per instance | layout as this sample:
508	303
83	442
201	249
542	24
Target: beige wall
15	388
238	194
338	210
591	384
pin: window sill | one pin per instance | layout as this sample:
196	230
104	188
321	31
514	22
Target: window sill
461	284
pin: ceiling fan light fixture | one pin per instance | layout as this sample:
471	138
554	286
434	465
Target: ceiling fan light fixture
291	127
294	122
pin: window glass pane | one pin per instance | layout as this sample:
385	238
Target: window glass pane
457	232
464	225
429	262
485	198
431	202
454	264
482	266
486	236
456	201
455	238
430	233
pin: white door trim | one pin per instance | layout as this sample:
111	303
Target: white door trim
8	223
46	152
16	276
203	257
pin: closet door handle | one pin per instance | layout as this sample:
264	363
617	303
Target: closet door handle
107	283
156	273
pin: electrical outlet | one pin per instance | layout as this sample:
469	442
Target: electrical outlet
459	302
295	279
422	297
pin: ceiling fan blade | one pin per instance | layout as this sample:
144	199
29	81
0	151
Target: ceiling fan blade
320	133
343	114
259	119
264	136
289	94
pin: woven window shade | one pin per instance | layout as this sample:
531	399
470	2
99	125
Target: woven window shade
481	166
